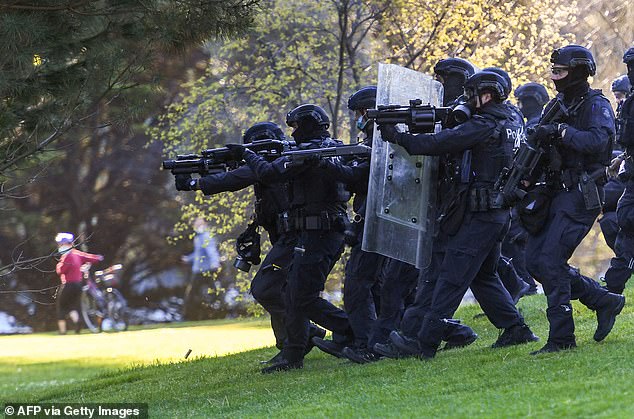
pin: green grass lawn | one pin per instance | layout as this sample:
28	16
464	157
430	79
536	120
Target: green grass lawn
148	365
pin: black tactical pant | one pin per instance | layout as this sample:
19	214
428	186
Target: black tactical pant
622	265
399	280
268	284
548	253
514	248
470	260
313	258
363	271
415	313
509	276
609	228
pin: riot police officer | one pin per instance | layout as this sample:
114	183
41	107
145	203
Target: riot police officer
531	99
472	226
362	268
317	216
366	271
580	147
621	88
615	187
512	265
622	265
452	73
271	199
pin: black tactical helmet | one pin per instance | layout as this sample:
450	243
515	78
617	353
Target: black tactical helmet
454	65
574	56
621	84
505	76
364	98
534	90
263	131
308	111
628	57
486	81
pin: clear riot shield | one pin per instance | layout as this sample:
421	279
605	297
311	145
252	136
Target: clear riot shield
399	218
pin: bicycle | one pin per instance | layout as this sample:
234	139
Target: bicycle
103	307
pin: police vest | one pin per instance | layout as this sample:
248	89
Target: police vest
496	152
583	115
516	128
312	193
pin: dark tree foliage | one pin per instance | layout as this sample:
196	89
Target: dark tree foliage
60	59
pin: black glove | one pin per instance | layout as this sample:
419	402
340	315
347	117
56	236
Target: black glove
548	132
389	133
183	182
236	151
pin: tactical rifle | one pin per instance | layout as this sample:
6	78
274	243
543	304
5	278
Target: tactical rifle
218	160
526	159
299	157
419	118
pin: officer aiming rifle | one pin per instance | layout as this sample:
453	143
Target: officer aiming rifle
420	118
218	160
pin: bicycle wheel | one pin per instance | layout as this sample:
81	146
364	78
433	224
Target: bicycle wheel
91	312
117	310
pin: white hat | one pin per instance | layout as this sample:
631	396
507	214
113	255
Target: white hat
64	238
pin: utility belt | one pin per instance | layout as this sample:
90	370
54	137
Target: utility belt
587	183
571	178
484	199
297	221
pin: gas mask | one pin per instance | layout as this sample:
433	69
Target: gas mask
248	248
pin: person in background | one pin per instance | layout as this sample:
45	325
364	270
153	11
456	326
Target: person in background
531	99
69	269
204	259
621	88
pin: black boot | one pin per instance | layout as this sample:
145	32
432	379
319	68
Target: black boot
315	332
554	347
360	355
457	335
405	344
515	335
389	350
277	358
454	343
609	306
329	346
283	365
